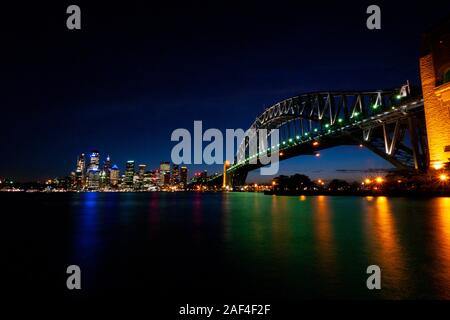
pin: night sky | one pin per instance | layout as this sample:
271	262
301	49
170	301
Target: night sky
135	72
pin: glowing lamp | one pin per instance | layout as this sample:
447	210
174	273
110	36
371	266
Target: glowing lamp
438	165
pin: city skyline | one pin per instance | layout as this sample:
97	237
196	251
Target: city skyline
93	174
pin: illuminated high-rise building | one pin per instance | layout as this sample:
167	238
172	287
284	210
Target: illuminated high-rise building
166	178
164	173
80	172
139	177
93	172
114	177
154	178
175	176
81	164
107	164
141	170
129	174
93	179
94	161
105	173
183	176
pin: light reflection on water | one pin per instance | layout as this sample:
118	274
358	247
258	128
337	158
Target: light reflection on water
282	246
442	243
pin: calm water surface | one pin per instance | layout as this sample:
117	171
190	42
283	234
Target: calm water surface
237	245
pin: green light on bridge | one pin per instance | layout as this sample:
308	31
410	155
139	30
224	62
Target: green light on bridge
327	125
297	137
340	120
315	129
290	140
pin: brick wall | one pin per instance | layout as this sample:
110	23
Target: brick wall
437	111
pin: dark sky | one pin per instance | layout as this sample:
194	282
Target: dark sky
137	71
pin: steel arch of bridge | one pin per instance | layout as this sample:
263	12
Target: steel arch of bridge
386	123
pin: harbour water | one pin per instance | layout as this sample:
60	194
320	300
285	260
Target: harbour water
228	245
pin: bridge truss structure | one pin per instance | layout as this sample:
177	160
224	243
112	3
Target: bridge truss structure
389	123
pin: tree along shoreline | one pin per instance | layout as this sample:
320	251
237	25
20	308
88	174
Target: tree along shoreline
363	193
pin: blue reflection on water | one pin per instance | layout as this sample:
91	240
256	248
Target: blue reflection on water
87	221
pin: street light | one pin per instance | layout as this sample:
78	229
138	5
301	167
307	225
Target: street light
438	165
443	177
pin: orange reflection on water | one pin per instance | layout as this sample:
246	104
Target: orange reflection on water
386	248
442	239
324	232
281	230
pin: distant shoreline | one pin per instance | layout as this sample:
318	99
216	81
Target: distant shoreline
406	194
403	194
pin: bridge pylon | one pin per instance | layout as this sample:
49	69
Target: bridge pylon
435	77
225	181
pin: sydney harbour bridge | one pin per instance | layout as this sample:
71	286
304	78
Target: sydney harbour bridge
389	123
410	128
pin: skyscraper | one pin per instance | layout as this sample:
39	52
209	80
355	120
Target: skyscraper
129	173
94	160
141	171
80	172
107	164
164	173
81	163
154	178
139	185
183	177
175	176
105	173
93	173
114	177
